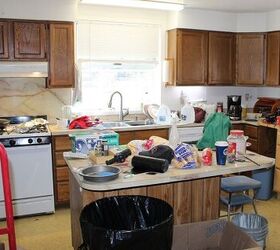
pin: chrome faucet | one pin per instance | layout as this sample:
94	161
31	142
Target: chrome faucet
121	114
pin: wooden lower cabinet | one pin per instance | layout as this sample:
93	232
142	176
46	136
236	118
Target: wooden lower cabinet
127	136
192	201
60	144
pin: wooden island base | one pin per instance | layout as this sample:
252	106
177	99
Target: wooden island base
192	200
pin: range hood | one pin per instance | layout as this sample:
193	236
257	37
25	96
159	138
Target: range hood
23	69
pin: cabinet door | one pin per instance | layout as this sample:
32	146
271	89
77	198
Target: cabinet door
4	39
29	40
250	58
221	68
272	61
192	57
61	66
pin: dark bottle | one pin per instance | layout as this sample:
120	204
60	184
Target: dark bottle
119	157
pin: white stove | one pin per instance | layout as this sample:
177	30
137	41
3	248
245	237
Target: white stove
30	163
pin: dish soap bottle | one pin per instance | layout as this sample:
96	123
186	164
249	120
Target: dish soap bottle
174	138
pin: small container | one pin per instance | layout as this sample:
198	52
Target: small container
219	107
237	144
105	148
278	120
98	148
207	156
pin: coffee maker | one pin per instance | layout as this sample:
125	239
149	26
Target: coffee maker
234	109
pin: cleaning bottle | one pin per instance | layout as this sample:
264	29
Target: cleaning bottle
174	137
163	115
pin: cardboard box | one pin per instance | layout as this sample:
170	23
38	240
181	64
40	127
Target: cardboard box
100	159
85	142
214	235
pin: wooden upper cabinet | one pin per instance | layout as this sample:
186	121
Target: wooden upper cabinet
250	58
188	49
61	64
272	59
4	40
221	67
29	40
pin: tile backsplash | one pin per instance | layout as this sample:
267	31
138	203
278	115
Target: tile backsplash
29	96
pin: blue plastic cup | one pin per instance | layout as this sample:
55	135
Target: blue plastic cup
221	152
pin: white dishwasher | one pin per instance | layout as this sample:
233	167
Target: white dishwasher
190	134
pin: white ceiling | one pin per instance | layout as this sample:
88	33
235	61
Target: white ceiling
234	5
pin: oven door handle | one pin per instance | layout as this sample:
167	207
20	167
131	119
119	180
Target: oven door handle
31	147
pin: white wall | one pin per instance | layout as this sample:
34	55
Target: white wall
39	9
201	19
250	22
171	95
273	20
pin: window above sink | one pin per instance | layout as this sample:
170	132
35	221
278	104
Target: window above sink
107	62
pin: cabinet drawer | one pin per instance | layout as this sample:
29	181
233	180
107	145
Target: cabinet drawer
62	143
59	159
126	137
146	134
237	127
62	174
254	146
251	131
62	191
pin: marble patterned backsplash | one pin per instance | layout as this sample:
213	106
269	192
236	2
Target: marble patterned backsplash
29	96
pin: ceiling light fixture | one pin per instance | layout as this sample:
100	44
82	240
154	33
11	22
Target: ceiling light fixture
146	4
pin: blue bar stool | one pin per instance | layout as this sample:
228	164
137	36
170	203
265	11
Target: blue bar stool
237	188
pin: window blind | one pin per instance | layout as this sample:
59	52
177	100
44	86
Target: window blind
117	41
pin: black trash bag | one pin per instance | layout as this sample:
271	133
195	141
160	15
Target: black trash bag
127	223
160	151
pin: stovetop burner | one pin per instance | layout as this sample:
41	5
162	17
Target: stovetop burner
40	128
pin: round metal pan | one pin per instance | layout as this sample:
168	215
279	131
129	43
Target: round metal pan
100	173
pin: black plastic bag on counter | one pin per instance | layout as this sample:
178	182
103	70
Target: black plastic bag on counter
141	163
127	223
161	152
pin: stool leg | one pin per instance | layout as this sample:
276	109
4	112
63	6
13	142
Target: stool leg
228	208
253	201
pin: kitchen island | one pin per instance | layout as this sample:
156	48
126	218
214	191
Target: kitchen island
193	193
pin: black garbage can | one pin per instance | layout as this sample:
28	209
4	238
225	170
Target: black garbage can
126	223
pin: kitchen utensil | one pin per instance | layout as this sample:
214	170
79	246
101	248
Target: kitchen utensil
100	173
187	113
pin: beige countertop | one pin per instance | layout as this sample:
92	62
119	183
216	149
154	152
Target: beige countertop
56	130
172	175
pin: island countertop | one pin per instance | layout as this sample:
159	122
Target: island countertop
172	175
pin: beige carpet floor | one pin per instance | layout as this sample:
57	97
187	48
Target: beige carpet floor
52	232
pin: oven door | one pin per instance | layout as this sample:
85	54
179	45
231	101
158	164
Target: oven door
30	172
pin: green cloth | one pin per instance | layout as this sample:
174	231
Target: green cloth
216	128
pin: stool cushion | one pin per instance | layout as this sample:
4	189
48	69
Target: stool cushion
239	183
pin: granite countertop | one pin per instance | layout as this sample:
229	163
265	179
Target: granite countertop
172	175
56	130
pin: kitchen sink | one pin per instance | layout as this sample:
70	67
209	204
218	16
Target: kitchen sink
138	123
114	124
126	123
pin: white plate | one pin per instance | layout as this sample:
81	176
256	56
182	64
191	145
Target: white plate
152	110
